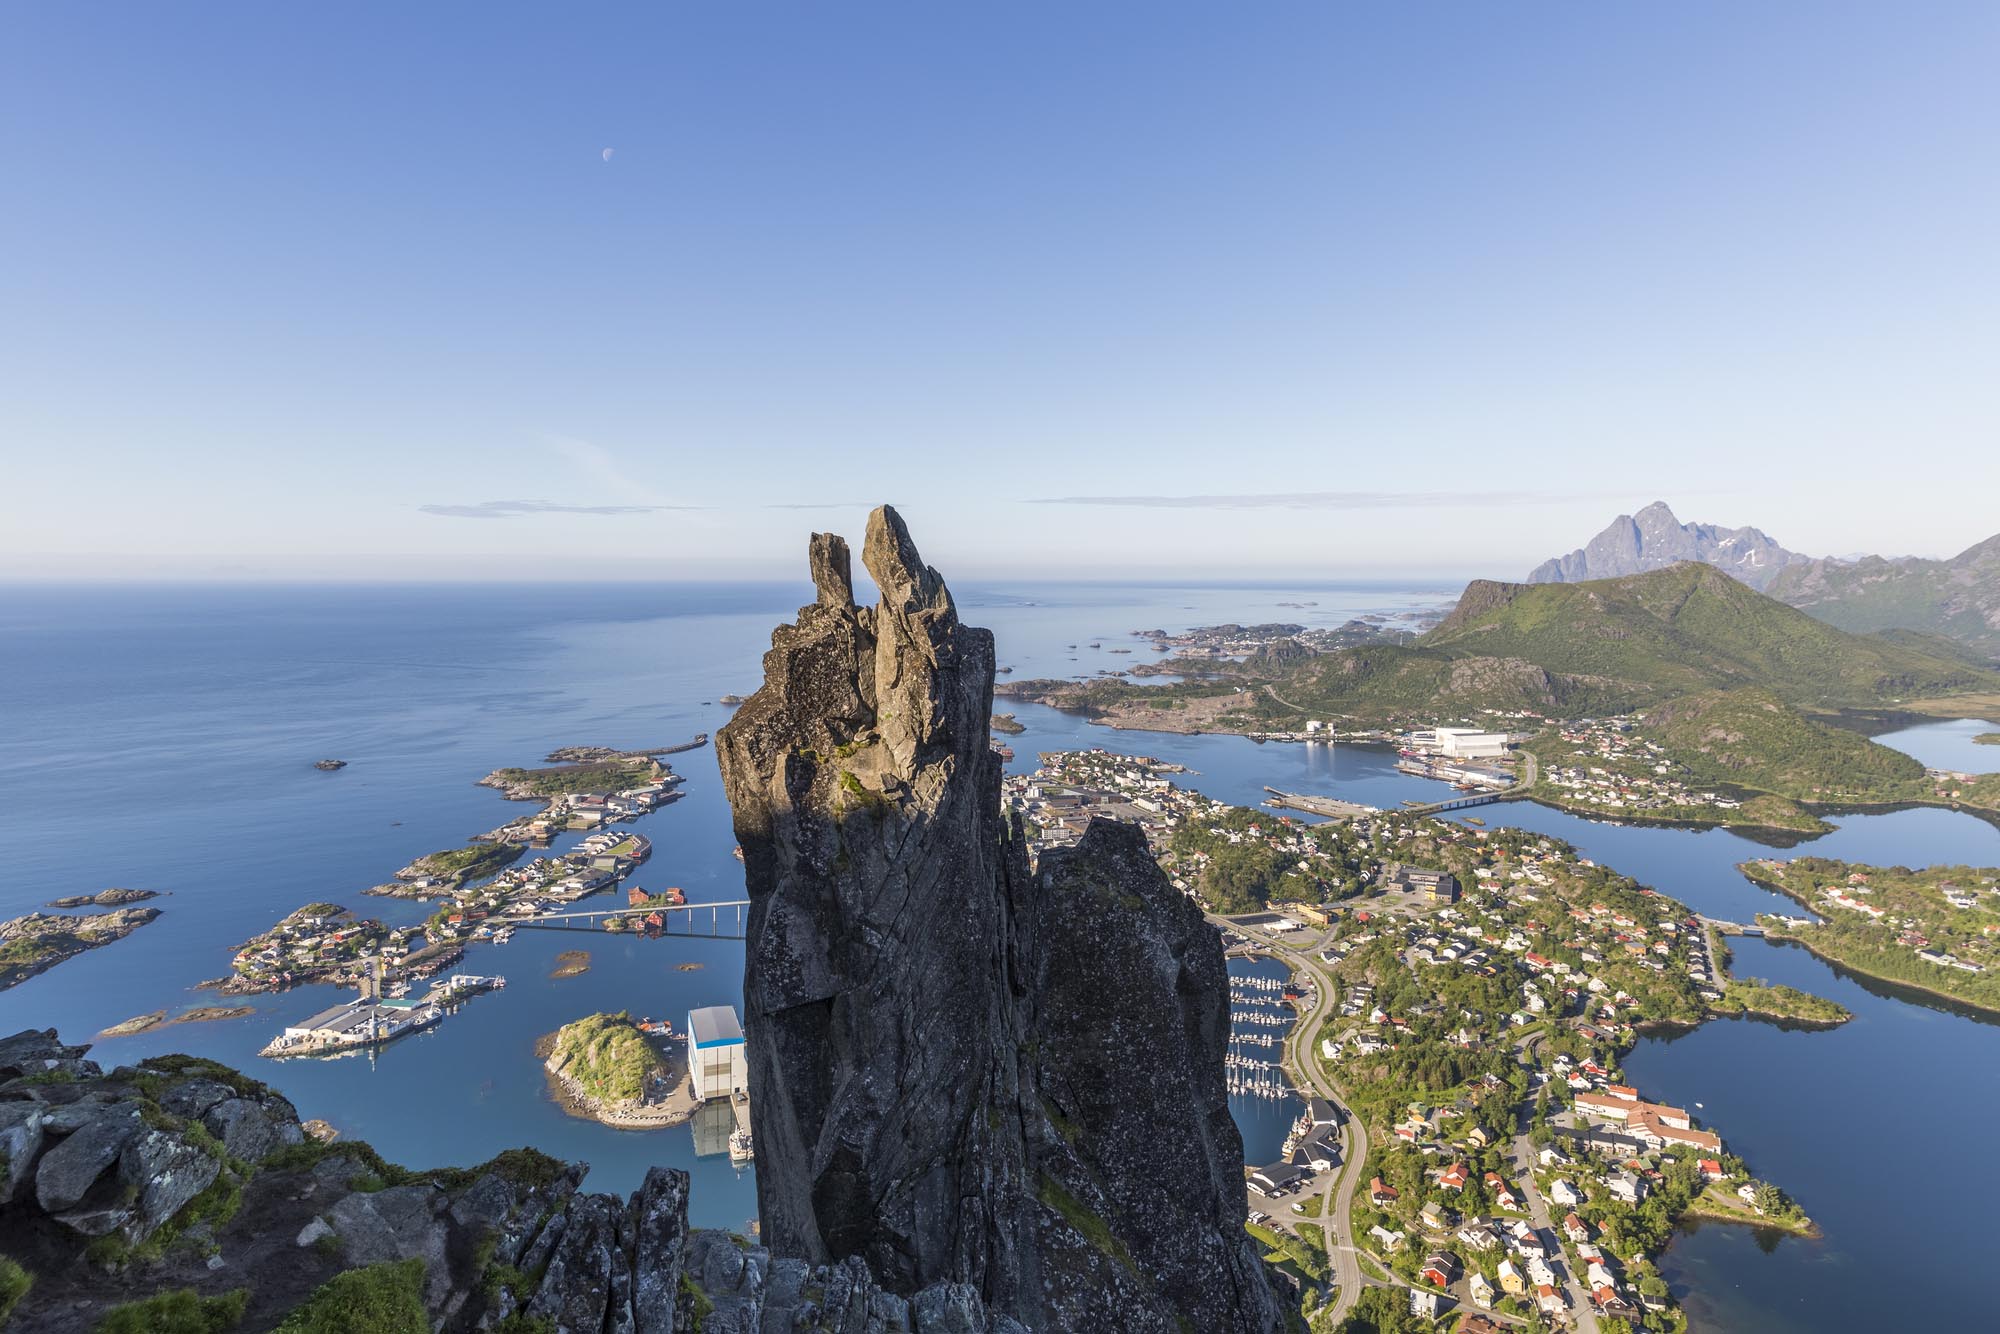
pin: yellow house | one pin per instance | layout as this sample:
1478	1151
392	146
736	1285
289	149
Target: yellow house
1511	1281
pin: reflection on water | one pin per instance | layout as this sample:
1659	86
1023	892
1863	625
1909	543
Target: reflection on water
181	725
1263	1121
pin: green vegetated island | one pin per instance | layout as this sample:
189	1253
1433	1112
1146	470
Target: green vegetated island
1707	702
605	1068
1936	929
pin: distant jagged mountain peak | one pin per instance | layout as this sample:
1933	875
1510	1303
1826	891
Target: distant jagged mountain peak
1655	538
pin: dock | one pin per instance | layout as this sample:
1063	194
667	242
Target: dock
1333	807
372	1021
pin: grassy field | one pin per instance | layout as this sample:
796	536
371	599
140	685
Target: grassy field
595	776
1979	704
472	862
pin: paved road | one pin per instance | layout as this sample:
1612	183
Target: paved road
1538	1210
1335	1219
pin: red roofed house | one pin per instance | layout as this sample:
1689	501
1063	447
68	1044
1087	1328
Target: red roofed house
1381	1192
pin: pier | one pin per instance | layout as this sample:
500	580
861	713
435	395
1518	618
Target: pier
372	1021
1332	807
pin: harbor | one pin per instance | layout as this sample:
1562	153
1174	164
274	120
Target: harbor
1331	807
374	1021
1260	1015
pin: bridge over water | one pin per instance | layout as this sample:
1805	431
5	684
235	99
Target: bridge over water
722	920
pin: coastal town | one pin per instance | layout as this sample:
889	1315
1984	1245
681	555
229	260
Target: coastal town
483	891
1604	765
1479	988
1936	929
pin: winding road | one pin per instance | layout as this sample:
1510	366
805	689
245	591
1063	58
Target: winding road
1335	1219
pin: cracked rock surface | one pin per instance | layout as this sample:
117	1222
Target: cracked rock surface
975	1078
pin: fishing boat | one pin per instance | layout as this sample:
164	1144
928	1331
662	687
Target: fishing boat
739	1146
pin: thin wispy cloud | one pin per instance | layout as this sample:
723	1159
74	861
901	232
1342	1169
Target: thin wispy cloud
502	509
826	505
600	465
1323	500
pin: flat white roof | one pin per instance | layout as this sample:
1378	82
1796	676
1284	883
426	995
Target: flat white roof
715	1026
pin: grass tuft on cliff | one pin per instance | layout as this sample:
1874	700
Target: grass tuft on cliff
14	1284
183	1311
382	1299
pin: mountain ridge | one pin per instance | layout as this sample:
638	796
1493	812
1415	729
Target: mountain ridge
1559	651
1957	597
1654	538
1691	627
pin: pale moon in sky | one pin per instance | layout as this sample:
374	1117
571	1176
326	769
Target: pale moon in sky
607	155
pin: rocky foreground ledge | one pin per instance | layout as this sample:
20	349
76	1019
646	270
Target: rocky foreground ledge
180	1174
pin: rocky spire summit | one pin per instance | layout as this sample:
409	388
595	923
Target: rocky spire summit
964	1072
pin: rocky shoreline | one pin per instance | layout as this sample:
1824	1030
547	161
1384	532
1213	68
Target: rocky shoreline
106	898
569	1095
201	1014
32	944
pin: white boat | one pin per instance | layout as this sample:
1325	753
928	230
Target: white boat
739	1146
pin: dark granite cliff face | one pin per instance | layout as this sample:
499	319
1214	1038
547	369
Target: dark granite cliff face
963	1073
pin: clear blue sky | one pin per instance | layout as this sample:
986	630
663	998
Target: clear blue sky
326	289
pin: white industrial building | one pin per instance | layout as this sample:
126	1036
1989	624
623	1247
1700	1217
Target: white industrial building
717	1067
1467	743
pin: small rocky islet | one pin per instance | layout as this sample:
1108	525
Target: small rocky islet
201	1014
613	1069
36	942
105	898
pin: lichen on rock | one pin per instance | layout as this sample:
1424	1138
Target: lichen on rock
915	997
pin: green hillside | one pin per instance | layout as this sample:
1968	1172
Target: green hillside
1690	628
1381	683
1958	598
1750	738
1556	651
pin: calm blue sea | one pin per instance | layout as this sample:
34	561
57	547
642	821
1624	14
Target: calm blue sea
163	737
